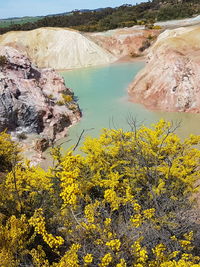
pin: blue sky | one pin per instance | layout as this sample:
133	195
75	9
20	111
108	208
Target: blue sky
19	8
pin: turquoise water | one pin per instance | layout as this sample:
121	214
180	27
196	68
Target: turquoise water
102	96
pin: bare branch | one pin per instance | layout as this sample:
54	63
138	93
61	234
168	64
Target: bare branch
80	137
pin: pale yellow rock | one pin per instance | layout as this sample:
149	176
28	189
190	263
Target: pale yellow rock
58	48
179	38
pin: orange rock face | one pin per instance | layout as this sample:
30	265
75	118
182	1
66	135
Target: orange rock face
170	80
123	42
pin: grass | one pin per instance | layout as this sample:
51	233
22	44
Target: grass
7	22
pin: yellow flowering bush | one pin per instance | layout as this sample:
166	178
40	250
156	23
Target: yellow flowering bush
13	239
70	258
129	200
38	222
9	152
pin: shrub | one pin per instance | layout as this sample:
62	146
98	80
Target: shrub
146	44
128	201
150	37
133	54
157	27
72	106
60	103
50	97
9	152
3	61
67	98
22	136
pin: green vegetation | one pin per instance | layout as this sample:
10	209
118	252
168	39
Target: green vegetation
10	22
22	136
146	44
129	201
9	153
66	100
3	61
110	18
50	97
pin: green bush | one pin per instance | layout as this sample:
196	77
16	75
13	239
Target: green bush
3	61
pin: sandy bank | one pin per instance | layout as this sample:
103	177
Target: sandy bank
58	48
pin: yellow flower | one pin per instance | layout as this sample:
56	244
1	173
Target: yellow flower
137	207
149	213
111	197
136	220
159	251
88	258
106	260
70	258
99	242
107	221
122	263
38	222
114	244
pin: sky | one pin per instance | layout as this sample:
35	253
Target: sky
20	8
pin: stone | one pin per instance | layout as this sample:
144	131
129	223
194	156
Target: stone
29	97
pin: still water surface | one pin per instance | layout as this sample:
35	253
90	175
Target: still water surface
102	97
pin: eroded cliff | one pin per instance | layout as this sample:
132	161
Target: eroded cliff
125	41
170	80
33	100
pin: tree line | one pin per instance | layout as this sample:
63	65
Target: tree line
111	18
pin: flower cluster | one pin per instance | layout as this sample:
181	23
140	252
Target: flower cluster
38	222
126	202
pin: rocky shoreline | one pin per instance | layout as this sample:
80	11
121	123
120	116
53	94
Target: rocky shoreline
36	107
33	101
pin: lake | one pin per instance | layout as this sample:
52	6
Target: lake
103	99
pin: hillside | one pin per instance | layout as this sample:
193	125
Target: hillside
58	48
125	42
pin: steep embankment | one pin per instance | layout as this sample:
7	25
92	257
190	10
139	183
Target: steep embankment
125	41
171	24
171	79
58	48
33	100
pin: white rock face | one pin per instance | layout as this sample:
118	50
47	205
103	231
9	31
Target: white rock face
58	48
180	22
